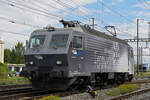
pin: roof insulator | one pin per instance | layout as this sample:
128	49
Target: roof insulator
49	28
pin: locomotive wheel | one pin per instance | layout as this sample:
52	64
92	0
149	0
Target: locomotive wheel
119	80
130	78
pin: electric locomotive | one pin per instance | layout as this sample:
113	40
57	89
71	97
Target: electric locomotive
76	55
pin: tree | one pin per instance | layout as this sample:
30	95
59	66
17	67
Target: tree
7	55
17	54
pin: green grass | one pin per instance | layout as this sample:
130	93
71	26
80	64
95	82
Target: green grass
14	81
142	74
51	97
122	89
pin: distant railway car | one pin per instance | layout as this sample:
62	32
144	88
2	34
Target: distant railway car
76	55
144	67
16	67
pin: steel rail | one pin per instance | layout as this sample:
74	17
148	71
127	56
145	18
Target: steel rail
8	87
129	95
13	91
21	94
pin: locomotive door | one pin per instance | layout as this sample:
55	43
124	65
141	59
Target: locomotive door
77	53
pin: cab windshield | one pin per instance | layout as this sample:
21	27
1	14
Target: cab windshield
59	41
37	41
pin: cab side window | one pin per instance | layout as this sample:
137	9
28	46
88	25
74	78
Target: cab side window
77	42
132	54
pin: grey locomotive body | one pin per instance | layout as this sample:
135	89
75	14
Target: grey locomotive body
76	56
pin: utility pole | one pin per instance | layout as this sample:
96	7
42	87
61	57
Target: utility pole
141	55
137	45
93	24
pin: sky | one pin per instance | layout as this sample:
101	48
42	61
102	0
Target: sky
18	18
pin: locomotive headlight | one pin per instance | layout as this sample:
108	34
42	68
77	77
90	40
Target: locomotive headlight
31	62
58	62
74	51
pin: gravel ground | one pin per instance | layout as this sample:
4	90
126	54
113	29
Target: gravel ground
87	96
103	96
145	96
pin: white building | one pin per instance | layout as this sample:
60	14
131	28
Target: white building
1	50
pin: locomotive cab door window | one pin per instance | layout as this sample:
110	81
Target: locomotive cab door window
77	42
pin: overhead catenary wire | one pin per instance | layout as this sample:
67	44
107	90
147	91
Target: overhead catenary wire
20	8
47	4
127	33
13	33
101	20
143	4
17	22
146	3
107	24
66	5
30	9
116	12
26	9
63	5
69	6
50	6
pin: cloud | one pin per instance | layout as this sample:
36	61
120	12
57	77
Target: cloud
144	5
120	0
37	13
132	27
107	10
82	11
112	4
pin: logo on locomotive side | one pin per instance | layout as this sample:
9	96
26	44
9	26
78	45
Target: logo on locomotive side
116	52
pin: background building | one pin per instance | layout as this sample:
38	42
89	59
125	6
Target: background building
1	50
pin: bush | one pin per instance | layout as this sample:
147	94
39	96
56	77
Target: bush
142	74
51	97
115	92
128	88
3	71
122	89
13	72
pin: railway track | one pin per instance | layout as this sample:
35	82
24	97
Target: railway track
15	94
33	94
135	93
130	95
8	87
19	93
60	94
12	91
139	81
